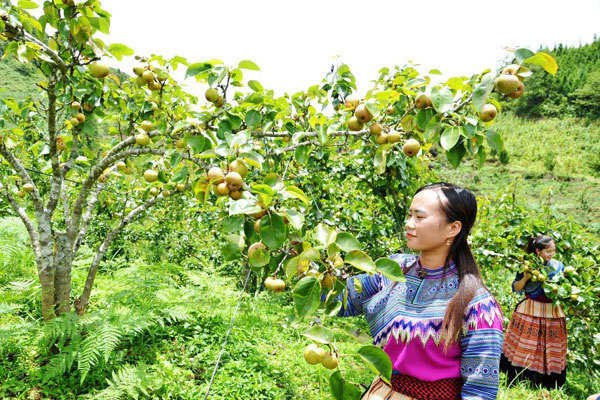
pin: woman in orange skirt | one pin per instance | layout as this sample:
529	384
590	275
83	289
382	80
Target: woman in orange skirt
535	342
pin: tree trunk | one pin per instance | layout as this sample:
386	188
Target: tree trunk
62	276
46	269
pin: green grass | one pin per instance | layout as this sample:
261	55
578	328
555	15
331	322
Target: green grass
568	180
17	80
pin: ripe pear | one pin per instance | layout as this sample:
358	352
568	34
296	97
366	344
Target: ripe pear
220	101
375	128
155	85
354	124
314	354
327	281
351	102
422	101
99	69
511	69
74	121
222	189
234	180
140	81
330	361
257	225
240	167
394	137
488	113
80	117
139	70
211	95
60	143
390	110
150	175
362	114
507	84
411	147
153	191
21	194
142	139
87	107
338	262
275	284
121	166
180	187
148	76
102	178
235	194
147	126
381	138
75	105
254	247
518	92
215	175
28	187
180	144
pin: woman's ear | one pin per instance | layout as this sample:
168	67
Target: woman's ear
455	228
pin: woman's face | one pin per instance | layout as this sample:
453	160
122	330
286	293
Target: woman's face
426	225
548	252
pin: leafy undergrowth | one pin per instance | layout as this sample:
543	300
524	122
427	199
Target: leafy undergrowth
156	331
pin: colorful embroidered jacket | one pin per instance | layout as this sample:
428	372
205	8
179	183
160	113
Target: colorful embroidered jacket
406	318
534	290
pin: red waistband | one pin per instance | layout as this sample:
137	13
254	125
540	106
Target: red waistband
443	389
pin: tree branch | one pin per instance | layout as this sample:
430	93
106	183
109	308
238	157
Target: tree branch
33	235
82	302
17	166
89	212
56	170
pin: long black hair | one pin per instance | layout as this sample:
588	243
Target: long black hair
458	204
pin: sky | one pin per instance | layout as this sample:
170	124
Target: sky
295	43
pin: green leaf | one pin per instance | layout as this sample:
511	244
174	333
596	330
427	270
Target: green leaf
442	99
232	224
361	261
341	389
494	140
523	54
302	154
247	64
380	159
325	235
259	258
231	252
256	86
262	188
244	206
545	61
28	5
450	137
119	50
253	118
482	91
377	360
295	218
456	154
319	334
347	242
432	129
297	192
196	142
391	269
307	296
455	83
181	175
333	308
435	71
197	68
273	231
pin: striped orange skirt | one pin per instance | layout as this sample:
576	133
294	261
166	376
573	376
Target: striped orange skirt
536	337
